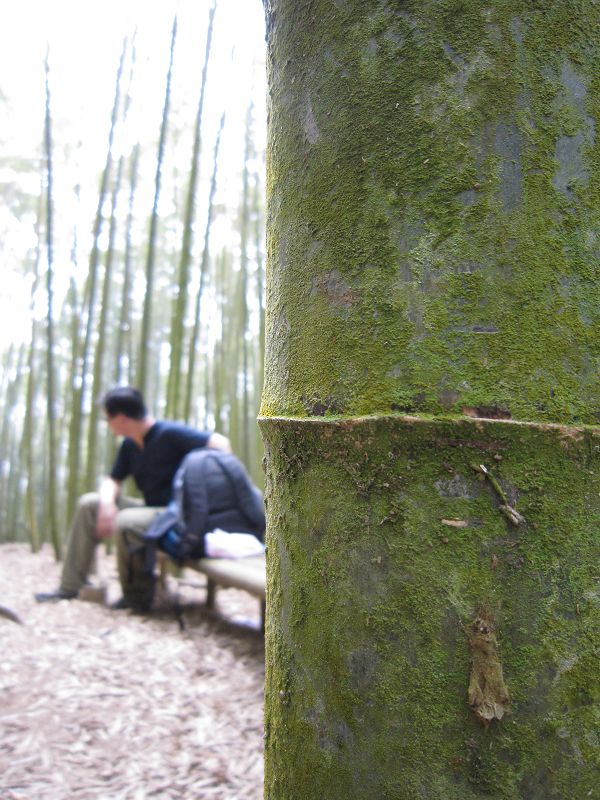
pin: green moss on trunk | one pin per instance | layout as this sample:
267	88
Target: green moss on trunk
385	546
434	192
433	250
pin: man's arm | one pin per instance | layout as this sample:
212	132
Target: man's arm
107	507
219	442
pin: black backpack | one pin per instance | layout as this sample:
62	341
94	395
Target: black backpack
211	489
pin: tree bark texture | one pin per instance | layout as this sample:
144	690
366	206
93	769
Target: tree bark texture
431	400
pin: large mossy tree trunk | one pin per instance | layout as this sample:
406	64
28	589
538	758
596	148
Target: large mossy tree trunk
431	398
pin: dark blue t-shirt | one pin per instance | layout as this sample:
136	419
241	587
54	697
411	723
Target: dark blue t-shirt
153	467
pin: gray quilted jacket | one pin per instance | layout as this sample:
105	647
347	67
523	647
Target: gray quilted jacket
211	490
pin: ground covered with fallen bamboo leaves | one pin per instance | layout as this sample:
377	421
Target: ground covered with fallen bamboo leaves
96	703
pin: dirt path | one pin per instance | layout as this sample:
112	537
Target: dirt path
102	704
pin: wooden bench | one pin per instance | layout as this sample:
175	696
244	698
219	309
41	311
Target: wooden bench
248	574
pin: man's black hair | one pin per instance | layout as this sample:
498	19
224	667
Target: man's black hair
124	400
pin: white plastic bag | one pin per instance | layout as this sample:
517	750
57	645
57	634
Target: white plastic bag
220	544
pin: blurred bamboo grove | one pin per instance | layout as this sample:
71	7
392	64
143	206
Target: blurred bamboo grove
151	272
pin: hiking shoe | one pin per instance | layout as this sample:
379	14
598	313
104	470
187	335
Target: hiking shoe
54	597
120	605
138	608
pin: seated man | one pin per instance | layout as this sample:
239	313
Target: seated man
212	490
151	452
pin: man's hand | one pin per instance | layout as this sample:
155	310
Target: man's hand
107	508
105	520
219	442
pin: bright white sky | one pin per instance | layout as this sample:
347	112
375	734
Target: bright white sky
85	39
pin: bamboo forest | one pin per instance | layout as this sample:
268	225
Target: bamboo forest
140	246
348	251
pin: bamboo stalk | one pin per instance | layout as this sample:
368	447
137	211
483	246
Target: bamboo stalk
180	302
146	327
203	269
50	364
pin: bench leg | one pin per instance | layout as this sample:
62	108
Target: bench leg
163	570
211	592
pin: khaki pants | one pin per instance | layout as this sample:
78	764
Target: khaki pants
137	578
132	520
